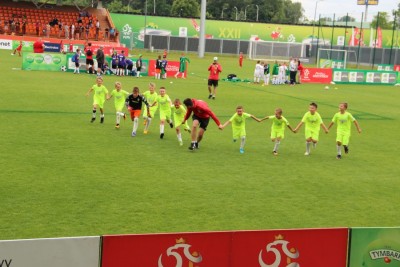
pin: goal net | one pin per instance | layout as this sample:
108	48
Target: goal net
332	58
275	50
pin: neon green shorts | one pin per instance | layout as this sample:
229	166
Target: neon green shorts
153	111
238	132
165	115
344	139
313	134
178	121
277	134
98	102
119	107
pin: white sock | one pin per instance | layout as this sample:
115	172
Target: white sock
276	147
179	135
135	124
118	117
138	74
147	124
242	141
339	149
308	145
161	128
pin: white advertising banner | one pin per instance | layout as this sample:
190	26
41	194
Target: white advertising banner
5	44
51	252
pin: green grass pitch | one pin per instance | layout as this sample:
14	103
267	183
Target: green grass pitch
63	176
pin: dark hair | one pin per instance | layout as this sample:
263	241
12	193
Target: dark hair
314	104
136	89
344	104
188	102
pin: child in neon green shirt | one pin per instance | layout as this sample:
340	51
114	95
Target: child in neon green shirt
279	124
313	123
238	121
343	120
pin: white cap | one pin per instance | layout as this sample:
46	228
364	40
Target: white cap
215	58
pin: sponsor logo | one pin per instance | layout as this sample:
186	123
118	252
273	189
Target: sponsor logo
126	32
39	59
29	59
181	252
386	254
306	73
281	252
5	263
320	75
56	60
5	44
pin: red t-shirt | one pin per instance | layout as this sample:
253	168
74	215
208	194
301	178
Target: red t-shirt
19	47
215	70
201	110
38	47
91	55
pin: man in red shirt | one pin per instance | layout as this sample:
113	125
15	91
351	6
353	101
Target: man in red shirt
38	46
241	59
89	58
201	117
215	69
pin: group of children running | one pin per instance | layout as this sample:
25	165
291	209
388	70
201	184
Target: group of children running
173	113
312	121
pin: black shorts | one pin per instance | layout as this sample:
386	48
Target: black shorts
77	64
129	67
213	83
89	62
114	66
100	65
203	122
120	66
139	68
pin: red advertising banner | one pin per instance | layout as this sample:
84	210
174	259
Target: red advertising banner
290	248
167	250
172	68
396	67
316	75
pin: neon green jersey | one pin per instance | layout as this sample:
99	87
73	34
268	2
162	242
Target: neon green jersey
150	97
343	122
278	124
179	112
100	92
239	121
164	102
119	97
312	122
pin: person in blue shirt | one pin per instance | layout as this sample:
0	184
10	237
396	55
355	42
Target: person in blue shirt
75	58
114	62
121	64
164	64
129	67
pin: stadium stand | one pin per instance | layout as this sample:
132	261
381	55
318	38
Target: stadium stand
26	18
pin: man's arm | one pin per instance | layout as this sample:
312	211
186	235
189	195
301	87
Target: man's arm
188	113
330	125
290	127
225	124
266	118
90	90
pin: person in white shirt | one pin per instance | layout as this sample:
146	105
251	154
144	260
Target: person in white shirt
282	73
258	72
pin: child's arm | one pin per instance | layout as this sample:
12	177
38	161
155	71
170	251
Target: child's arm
255	118
90	90
225	124
290	127
357	126
330	125
263	119
324	127
298	126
